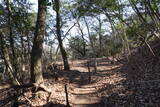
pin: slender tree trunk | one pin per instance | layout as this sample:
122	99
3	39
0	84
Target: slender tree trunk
58	31
22	61
137	11
100	41
11	40
90	38
100	36
154	11
82	35
151	13
36	54
141	18
6	58
28	44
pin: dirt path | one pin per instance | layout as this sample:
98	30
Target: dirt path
103	83
112	86
91	95
82	97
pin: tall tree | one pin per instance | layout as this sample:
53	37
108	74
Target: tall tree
36	54
82	35
90	37
5	56
58	31
100	34
11	38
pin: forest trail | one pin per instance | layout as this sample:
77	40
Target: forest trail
82	97
135	83
112	85
104	81
79	53
83	93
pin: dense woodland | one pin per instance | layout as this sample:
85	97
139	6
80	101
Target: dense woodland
79	53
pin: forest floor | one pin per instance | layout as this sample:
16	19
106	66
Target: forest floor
132	84
113	85
82	92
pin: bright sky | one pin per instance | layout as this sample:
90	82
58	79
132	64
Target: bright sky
35	4
73	31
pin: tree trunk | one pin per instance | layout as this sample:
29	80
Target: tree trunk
82	35
6	58
36	54
58	31
100	36
90	38
11	40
